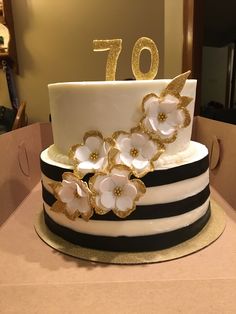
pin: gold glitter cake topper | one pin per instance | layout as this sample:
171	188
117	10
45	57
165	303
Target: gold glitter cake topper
115	46
140	45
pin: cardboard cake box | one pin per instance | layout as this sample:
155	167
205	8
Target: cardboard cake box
34	278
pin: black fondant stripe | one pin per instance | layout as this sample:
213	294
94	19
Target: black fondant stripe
176	174
53	172
129	244
155	178
149	211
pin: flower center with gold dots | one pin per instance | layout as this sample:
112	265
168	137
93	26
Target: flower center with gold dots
161	117
134	152
117	191
94	156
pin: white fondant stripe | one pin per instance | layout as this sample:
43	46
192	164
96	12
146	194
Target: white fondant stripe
129	228
46	182
165	193
175	191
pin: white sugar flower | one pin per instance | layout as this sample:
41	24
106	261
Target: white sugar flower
115	191
137	151
91	155
73	196
162	115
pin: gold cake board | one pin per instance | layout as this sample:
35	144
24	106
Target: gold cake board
213	229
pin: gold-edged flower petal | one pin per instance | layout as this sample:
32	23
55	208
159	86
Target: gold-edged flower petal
160	113
155	136
136	150
91	155
115	191
73	197
147	98
187	118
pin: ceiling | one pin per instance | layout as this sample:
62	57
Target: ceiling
219	22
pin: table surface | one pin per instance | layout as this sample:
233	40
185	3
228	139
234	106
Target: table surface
34	278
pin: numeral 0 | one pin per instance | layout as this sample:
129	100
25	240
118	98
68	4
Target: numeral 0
115	45
141	44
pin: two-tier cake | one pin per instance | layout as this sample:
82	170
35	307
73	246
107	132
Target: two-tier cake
123	174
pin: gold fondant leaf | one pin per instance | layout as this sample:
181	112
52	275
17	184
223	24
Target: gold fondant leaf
184	101
176	85
71	216
58	207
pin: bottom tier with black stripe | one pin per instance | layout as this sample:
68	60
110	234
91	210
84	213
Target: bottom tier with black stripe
175	208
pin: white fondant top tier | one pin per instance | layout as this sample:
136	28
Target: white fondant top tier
107	107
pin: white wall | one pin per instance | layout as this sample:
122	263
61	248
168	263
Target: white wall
54	42
173	38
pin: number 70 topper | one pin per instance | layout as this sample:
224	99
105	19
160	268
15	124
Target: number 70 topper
114	46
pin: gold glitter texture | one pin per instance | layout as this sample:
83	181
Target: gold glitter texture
176	85
114	47
148	44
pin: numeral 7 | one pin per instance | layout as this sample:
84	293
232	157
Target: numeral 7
114	46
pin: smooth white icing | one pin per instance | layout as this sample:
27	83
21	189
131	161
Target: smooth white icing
130	227
107	107
175	191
